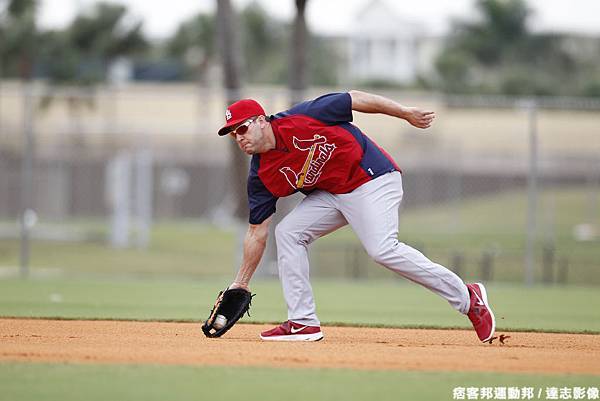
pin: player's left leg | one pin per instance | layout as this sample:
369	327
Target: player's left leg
372	211
314	217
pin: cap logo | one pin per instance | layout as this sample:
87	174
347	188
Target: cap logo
228	115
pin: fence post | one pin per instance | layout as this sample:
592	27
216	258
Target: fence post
144	187
487	266
548	263
456	262
563	270
118	174
532	191
27	218
356	262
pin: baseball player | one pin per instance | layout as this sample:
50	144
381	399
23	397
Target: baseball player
347	179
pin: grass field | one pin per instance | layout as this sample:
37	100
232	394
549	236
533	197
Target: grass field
177	249
59	382
188	263
370	303
490	224
375	303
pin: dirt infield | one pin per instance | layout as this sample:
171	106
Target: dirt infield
343	347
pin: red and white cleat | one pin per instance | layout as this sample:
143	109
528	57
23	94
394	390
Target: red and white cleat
290	331
480	313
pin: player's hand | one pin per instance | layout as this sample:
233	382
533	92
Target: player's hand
419	118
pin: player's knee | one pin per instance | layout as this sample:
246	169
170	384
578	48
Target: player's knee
280	231
382	251
285	233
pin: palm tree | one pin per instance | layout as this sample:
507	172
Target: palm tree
228	45
78	58
298	68
19	33
194	45
499	53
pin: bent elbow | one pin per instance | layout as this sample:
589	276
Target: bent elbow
355	95
360	100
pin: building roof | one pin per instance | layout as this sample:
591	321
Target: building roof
378	20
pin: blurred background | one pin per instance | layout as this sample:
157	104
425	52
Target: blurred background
110	164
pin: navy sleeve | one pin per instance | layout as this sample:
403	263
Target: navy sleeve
333	108
260	201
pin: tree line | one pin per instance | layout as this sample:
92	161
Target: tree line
82	52
497	53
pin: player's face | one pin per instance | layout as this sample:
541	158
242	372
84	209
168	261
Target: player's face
249	136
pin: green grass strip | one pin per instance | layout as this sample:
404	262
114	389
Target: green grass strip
65	382
367	303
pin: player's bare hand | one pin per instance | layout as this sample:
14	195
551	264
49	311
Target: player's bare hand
419	118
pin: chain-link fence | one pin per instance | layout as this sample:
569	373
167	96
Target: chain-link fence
133	180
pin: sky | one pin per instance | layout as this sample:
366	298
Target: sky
161	17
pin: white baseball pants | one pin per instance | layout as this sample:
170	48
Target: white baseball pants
372	212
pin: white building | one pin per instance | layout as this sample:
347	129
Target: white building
386	47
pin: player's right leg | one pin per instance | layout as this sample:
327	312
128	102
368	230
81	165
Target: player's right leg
315	216
372	211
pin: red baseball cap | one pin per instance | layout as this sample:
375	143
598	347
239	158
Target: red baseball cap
239	112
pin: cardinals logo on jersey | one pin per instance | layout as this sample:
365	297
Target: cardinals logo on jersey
319	152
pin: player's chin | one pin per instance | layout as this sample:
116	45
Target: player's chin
246	150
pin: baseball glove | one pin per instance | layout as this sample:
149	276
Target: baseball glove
231	304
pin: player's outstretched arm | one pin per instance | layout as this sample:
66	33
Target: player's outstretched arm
254	247
370	103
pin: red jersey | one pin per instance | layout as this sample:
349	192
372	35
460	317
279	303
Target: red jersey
316	148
